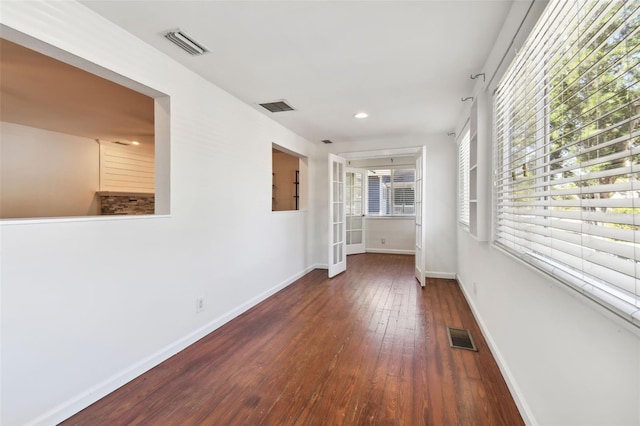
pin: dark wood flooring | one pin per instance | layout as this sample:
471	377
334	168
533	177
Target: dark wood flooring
366	347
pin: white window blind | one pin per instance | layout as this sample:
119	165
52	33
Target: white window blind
391	192
463	179
567	157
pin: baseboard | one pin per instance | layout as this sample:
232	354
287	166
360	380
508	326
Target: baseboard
436	274
523	407
83	400
390	251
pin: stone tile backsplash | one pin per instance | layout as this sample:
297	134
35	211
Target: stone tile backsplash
127	204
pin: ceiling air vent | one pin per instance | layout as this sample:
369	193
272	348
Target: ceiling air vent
327	141
277	106
186	42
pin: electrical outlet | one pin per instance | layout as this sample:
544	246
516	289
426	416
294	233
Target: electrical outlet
383	240
199	304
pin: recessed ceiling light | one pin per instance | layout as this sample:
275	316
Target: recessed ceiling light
135	143
361	115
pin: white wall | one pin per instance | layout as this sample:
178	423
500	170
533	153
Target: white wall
398	233
47	174
88	304
440	204
567	361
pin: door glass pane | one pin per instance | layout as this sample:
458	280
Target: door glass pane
356	237
356	223
337	254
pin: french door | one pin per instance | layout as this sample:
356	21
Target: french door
337	219
421	161
354	207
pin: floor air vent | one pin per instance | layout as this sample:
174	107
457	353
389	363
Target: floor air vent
277	106
461	339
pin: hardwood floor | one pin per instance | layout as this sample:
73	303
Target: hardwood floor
366	347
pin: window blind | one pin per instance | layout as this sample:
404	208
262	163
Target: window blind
391	192
567	153
463	179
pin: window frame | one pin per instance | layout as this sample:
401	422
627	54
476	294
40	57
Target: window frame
464	145
390	190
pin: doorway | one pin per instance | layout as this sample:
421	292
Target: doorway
348	209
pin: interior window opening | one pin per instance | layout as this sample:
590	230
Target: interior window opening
76	144
288	180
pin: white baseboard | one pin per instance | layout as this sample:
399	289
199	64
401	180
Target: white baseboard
389	251
523	407
445	275
93	394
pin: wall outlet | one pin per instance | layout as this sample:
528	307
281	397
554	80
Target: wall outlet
199	304
383	240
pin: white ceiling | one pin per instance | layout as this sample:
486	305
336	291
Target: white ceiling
406	63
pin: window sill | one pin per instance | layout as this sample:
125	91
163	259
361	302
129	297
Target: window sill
621	315
97	218
390	217
288	211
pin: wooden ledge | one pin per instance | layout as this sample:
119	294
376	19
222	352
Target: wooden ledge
125	194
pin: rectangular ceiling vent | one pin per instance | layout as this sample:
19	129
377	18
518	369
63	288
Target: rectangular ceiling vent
327	141
277	106
186	42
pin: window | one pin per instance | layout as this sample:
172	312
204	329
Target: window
67	154
391	192
288	180
567	156
463	180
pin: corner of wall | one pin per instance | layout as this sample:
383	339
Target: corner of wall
516	393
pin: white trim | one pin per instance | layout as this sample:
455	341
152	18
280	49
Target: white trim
390	217
516	393
300	211
93	394
444	275
390	251
98	218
